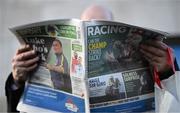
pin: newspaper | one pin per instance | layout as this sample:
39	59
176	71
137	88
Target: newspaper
87	66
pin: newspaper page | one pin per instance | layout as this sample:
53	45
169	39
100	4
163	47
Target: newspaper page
58	84
119	77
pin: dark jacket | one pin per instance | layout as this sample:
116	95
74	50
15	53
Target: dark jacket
13	96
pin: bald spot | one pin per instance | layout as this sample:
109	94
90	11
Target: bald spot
96	12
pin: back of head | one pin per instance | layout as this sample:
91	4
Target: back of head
96	12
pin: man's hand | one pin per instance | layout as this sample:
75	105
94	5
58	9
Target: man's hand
156	53
24	61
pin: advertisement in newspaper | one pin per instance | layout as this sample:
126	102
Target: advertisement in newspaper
57	84
119	77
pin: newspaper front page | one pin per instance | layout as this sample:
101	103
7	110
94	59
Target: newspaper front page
119	77
58	83
87	66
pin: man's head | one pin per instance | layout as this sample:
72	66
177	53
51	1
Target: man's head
57	46
96	12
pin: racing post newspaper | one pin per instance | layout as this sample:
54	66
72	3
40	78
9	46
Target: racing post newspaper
87	66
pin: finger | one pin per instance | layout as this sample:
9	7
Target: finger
157	44
28	69
151	62
153	50
150	57
25	55
147	58
21	73
27	63
23	49
155	64
32	67
20	79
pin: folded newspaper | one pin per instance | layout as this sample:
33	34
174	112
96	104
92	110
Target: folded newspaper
87	66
